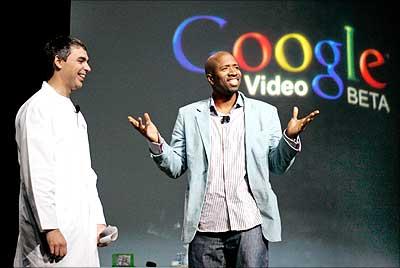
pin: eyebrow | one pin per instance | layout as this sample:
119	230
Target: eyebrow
83	58
227	65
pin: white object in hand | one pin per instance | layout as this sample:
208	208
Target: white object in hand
109	234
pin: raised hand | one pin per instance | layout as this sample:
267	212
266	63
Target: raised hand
146	128
296	126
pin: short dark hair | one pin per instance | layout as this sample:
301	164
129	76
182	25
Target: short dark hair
60	46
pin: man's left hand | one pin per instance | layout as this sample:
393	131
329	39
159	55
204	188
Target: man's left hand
296	126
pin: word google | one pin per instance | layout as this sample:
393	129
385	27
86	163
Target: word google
370	58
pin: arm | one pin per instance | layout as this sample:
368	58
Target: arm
172	158
38	156
282	155
39	160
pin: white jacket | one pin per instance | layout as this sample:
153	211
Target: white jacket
58	184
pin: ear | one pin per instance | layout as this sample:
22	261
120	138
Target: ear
58	62
210	79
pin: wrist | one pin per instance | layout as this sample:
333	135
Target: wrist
290	135
155	139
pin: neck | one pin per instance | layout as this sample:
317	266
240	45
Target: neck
59	87
224	103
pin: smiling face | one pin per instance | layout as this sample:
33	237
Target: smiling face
74	69
223	73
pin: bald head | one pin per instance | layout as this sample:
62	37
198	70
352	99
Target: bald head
223	73
212	61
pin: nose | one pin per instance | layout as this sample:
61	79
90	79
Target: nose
233	71
87	67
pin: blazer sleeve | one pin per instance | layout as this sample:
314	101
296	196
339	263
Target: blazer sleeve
172	160
281	155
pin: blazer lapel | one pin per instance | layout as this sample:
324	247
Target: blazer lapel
250	116
203	123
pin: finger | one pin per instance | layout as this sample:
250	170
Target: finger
51	247
147	119
133	121
313	115
307	120
295	112
57	251
63	251
59	258
141	126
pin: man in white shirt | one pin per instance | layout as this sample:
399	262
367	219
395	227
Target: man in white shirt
229	143
60	213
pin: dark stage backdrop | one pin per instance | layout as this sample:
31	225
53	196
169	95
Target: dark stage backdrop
339	202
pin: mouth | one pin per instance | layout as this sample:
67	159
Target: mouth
82	76
234	82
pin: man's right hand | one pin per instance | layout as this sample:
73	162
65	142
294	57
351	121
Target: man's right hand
146	128
57	245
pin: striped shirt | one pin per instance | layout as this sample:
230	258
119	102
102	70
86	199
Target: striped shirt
228	203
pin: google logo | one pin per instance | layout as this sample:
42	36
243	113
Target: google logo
369	59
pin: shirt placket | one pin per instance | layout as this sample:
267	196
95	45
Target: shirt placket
229	183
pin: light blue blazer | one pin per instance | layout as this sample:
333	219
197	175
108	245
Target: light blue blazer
266	151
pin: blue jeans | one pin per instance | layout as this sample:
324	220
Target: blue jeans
229	249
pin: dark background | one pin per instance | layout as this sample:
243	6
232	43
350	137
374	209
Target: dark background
339	202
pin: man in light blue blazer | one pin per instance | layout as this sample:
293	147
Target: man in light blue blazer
228	144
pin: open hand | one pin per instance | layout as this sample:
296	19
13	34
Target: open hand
296	126
146	128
